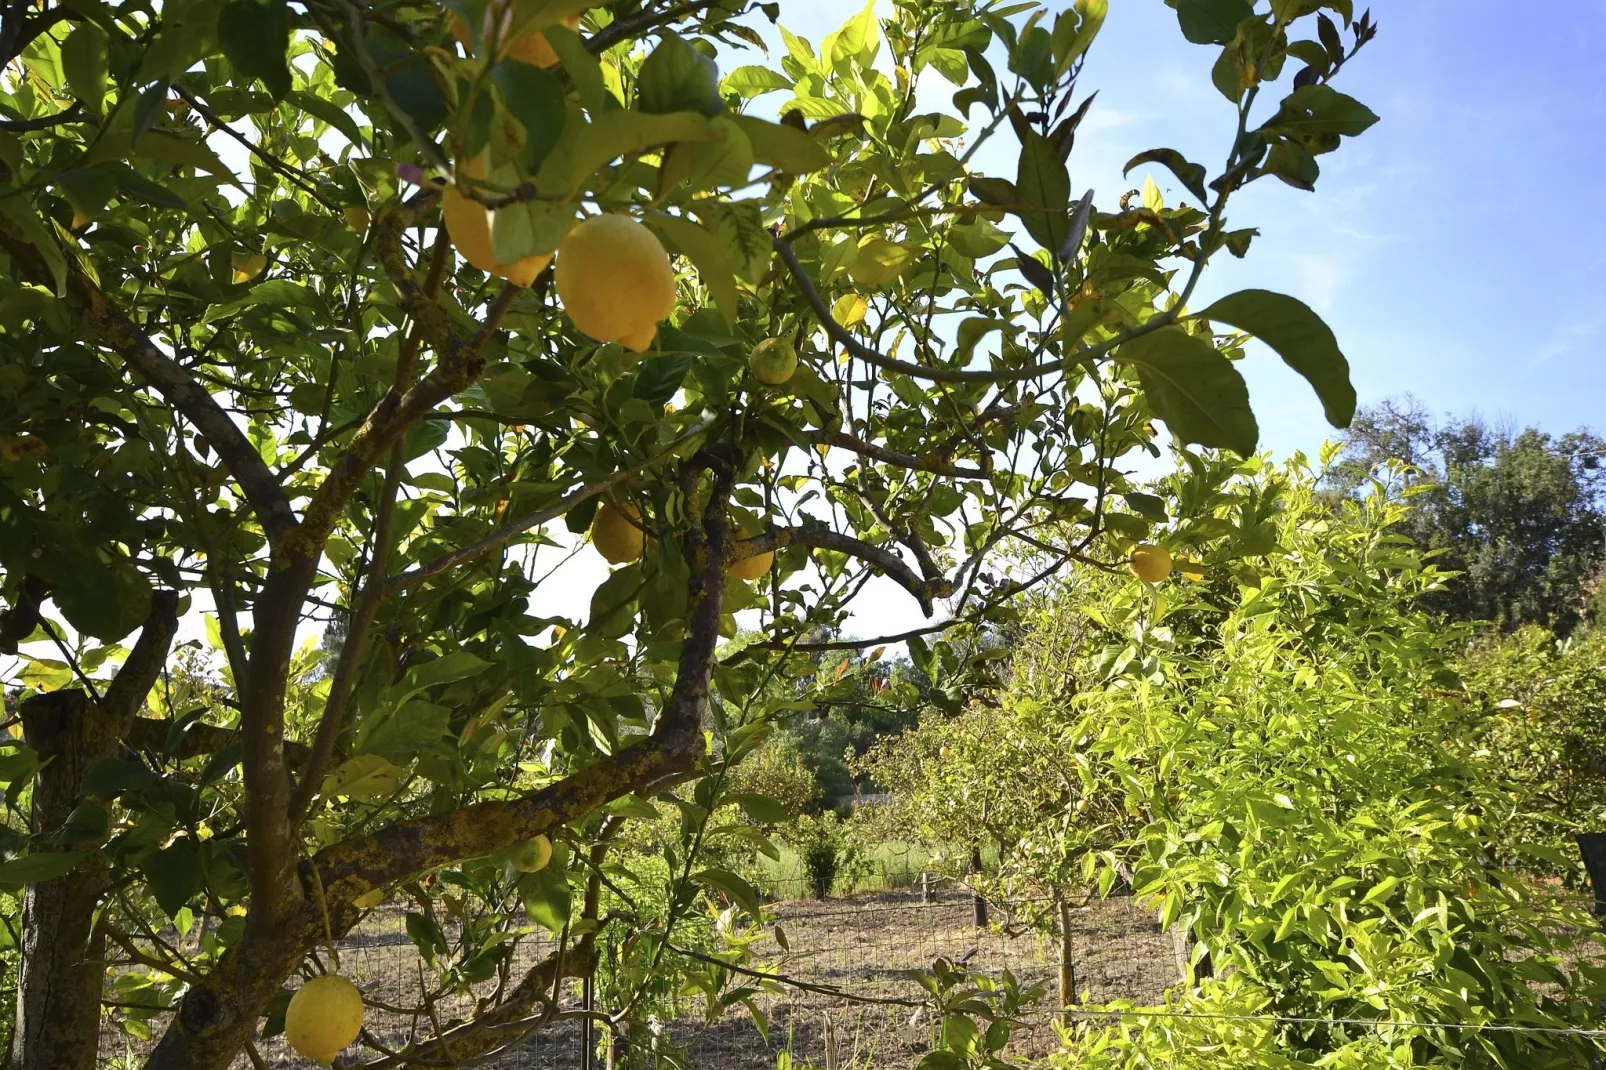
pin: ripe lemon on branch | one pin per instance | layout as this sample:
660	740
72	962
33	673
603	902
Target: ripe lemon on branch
532	47
532	855
615	281
615	534
468	224
751	568
1149	563
324	1016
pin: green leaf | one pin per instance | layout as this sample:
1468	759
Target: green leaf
174	875
706	253
754	81
972	331
857	41
255	35
1191	175
1380	891
1194	389
105	601
761	808
84	63
426	935
1212	22
366	778
734	887
40	866
784	147
1299	336
580	65
1045	185
15	207
618	133
1293	163
1312	111
536	99
657	378
678	77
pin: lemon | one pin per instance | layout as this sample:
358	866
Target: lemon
615	535
1149	563
532	48
468	224
532	855
615	281
324	1016
751	568
773	361
356	218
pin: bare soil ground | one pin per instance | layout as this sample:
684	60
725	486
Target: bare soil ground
860	944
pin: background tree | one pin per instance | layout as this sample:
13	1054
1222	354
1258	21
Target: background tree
1520	515
333	377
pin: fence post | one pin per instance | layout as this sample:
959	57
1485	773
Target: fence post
1067	959
925	887
587	1036
978	905
1592	845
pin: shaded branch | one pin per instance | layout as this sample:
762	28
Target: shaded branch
624	29
134	680
73	114
150	734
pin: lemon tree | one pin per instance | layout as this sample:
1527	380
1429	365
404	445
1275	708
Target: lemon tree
327	327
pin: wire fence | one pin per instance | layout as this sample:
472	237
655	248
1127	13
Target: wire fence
840	989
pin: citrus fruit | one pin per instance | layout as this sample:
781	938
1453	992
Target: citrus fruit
324	1016
773	361
1149	563
615	281
532	855
468	224
615	535
751	568
356	218
532	48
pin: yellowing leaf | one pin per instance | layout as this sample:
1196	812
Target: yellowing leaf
366	778
879	262
849	310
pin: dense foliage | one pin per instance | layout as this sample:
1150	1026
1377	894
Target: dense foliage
1274	757
284	353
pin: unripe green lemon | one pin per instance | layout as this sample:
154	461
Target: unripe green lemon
773	361
532	855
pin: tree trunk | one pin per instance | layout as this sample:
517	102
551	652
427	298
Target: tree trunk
1067	959
978	905
59	984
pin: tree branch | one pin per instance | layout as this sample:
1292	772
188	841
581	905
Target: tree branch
816	534
894	457
134	680
624	29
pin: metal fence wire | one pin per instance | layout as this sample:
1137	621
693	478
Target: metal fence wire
847	1000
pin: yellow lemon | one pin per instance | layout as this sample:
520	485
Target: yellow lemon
532	855
751	568
615	535
615	281
468	224
356	218
532	48
1149	563
324	1016
773	361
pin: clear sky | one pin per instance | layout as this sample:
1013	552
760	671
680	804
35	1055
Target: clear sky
1456	248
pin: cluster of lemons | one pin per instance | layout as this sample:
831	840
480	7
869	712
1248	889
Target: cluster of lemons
618	535
325	1015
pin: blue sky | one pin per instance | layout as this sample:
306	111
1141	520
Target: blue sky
1455	248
